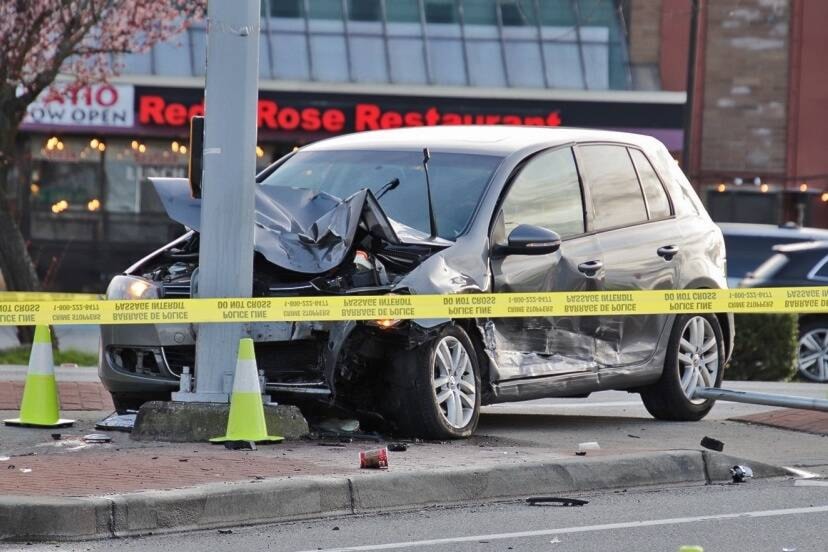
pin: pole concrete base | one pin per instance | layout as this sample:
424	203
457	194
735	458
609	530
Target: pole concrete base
198	422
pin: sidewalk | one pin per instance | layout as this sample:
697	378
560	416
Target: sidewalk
68	489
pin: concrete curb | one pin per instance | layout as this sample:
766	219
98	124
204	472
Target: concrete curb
232	504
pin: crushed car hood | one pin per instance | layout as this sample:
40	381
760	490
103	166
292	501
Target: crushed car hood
297	229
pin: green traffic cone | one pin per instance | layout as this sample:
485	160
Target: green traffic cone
40	406
246	421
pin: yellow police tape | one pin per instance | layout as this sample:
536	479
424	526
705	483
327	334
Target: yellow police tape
403	307
46	296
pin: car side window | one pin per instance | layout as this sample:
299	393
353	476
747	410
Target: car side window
821	270
657	201
613	186
546	193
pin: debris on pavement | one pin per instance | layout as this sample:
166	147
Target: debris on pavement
4	458
545	500
118	422
225	531
397	447
373	459
240	445
712	444
97	438
56	436
26	470
584	447
631	436
556	540
337	425
741	473
336	444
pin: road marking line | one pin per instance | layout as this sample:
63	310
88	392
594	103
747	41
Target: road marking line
810	483
581	529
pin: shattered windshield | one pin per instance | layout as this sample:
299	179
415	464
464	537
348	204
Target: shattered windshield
457	182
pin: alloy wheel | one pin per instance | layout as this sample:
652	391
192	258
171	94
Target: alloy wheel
453	382
698	357
813	355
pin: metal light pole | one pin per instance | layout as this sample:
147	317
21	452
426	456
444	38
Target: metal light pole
226	246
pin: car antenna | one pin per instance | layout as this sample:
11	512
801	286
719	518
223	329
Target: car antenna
432	221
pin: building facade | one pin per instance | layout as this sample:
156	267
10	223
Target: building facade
759	127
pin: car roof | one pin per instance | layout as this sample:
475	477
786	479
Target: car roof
483	139
772	231
801	247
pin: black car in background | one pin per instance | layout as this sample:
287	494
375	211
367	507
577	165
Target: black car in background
800	264
749	245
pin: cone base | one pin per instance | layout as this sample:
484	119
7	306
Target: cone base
261	440
17	422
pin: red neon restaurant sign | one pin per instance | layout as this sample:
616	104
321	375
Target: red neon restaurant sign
157	111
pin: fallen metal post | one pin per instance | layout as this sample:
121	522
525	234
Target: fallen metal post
749	397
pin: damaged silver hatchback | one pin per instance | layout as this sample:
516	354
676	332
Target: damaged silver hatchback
447	210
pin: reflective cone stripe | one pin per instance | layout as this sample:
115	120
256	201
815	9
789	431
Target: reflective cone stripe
40	406
246	421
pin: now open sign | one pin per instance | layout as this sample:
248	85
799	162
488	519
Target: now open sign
109	105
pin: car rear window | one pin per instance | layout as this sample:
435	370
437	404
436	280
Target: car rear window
657	201
613	185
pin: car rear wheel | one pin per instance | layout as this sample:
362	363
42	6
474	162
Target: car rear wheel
438	391
812	361
695	358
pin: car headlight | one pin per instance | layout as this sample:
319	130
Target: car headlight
131	287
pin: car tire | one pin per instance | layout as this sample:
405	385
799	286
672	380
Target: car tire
813	346
431	382
690	357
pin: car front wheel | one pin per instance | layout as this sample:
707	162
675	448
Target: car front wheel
438	390
695	358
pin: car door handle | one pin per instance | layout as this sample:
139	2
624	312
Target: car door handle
590	267
667	251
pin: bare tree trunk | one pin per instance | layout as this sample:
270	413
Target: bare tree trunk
15	262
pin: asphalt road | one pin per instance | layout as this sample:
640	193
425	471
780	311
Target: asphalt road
756	517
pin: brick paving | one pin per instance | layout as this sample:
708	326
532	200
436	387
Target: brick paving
73	395
101	473
808	421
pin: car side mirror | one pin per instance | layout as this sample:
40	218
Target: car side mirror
528	239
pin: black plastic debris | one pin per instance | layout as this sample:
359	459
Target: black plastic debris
56	436
712	444
118	422
555	500
240	445
397	447
741	473
225	531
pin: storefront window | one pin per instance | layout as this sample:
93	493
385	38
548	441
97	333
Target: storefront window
65	174
129	163
325	9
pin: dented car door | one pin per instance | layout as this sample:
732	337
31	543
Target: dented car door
547	193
